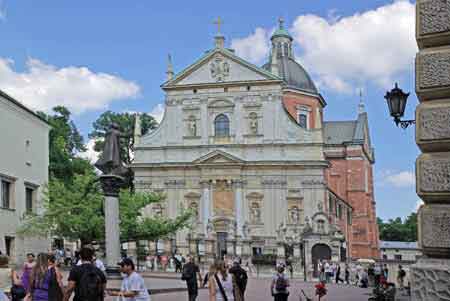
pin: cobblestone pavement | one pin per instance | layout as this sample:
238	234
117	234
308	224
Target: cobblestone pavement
258	290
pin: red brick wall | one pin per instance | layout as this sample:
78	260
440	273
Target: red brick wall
291	100
347	178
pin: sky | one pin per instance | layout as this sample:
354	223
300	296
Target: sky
93	56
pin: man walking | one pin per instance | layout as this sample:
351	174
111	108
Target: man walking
191	274
401	277
241	278
133	286
86	280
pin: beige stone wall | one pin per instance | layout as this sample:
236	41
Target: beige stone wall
430	277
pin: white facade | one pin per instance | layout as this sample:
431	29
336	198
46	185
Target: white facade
24	160
255	188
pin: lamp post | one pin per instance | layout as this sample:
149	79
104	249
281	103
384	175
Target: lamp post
396	100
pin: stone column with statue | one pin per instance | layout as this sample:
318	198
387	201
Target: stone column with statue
430	276
113	178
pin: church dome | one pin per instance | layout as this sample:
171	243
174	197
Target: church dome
293	74
283	64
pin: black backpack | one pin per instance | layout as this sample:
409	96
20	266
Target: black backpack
402	273
188	272
281	283
91	285
241	279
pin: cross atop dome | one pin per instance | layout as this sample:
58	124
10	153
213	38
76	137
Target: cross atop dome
280	22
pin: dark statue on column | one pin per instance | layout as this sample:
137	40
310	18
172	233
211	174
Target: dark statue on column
110	163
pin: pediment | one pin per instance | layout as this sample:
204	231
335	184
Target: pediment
218	157
217	67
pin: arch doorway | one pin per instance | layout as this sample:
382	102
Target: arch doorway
319	252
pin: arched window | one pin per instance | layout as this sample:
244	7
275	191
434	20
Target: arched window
222	126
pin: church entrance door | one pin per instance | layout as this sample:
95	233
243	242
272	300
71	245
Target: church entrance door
319	252
221	244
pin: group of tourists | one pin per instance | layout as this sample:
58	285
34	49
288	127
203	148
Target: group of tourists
225	282
41	280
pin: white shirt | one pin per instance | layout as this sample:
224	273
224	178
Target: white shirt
227	287
98	263
135	283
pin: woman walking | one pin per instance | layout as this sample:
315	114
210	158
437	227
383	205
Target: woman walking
45	280
8	277
27	270
221	284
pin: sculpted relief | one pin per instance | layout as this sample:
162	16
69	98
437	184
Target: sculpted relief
191	125
253	123
220	69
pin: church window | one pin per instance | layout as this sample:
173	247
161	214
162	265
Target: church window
330	204
321	226
303	116
222	126
349	216
248	88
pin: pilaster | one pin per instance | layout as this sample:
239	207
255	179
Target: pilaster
430	278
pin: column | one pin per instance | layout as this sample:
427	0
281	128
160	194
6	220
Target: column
238	206
430	276
111	185
206	202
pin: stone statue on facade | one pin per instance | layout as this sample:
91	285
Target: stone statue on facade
245	230
295	215
307	228
209	227
255	213
253	123
192	127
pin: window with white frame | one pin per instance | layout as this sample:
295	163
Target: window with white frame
222	126
303	116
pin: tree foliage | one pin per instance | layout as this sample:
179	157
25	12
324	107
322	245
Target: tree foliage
398	229
65	141
126	123
75	211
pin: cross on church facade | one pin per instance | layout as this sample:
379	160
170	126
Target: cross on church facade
219	22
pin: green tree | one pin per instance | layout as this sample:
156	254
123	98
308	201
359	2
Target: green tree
126	123
398	230
65	141
75	211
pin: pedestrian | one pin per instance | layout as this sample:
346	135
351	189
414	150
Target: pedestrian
321	268
328	272
222	284
280	284
45	279
178	264
377	271
7	277
401	277
338	274
347	274
371	275
386	272
212	270
26	271
133	285
241	278
191	274
86	280
68	259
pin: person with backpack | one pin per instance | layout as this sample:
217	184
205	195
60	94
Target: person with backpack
191	274
86	280
241	278
133	285
280	284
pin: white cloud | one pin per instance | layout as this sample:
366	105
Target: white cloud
400	179
90	154
158	112
375	45
42	86
254	48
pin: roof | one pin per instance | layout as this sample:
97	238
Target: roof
339	132
227	53
281	32
293	74
22	106
399	245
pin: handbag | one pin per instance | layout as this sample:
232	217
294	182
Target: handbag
222	291
18	292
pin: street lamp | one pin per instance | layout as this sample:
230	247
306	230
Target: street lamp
396	100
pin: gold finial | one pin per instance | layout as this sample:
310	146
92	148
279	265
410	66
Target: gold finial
218	23
281	22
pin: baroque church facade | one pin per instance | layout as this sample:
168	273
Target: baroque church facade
247	149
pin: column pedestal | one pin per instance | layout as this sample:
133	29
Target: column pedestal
111	185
